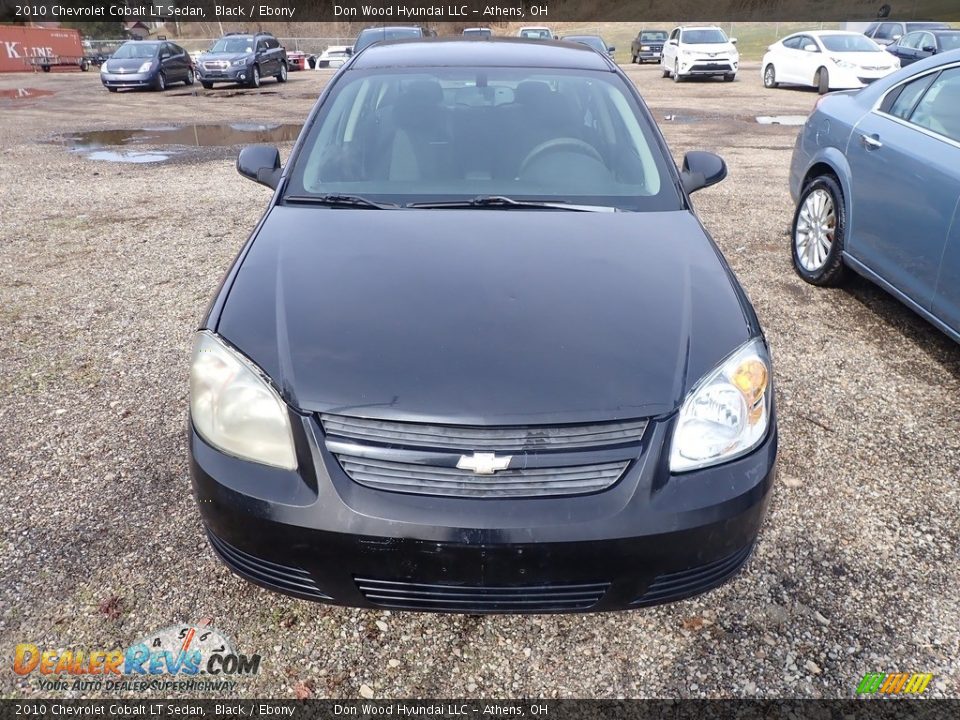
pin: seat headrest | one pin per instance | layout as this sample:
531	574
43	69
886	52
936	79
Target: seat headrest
532	92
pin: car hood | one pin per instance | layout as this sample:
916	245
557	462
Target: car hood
709	48
869	59
230	57
126	64
484	316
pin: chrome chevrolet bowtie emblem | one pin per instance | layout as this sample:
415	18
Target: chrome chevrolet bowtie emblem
484	463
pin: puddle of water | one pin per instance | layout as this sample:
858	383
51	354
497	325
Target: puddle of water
128	156
214	135
24	93
781	119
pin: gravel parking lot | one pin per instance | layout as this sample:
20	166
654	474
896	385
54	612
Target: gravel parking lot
105	268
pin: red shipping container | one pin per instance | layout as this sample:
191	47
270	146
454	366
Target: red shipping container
19	43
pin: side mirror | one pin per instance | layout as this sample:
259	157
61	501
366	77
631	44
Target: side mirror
611	49
896	37
260	163
674	41
810	47
349	51
701	169
733	41
929	49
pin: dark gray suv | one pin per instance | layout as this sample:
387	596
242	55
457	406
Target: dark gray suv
244	59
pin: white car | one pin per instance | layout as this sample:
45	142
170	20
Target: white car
333	57
698	51
826	60
535	33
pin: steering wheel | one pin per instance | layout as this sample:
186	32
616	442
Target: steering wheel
569	144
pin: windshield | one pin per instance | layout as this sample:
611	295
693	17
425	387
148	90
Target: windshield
375	35
709	36
589	40
849	43
656	36
433	134
536	34
482	32
233	45
949	41
136	50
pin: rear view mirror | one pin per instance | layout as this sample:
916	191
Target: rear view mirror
260	163
701	169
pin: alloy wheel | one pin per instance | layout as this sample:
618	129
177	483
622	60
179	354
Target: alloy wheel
816	230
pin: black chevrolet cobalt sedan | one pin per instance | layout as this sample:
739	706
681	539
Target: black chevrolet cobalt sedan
480	355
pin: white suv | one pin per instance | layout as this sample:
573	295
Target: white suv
700	51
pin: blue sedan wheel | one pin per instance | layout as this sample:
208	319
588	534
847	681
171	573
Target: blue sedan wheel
818	232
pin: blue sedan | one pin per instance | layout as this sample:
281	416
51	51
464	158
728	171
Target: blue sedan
876	181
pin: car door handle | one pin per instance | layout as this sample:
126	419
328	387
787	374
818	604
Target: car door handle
871	142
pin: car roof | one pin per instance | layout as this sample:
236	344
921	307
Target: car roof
491	52
700	27
386	28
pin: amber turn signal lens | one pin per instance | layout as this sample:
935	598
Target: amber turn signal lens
750	378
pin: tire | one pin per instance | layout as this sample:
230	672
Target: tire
282	75
160	82
770	77
207	85
46	68
822	81
666	72
818	233
112	89
84	65
255	77
676	71
635	60
190	79
729	77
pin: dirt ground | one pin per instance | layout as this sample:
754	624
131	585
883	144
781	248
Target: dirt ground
106	267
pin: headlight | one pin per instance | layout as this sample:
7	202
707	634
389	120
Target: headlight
843	63
727	413
146	66
644	47
235	408
238	63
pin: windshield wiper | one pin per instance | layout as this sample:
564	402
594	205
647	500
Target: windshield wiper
353	201
501	202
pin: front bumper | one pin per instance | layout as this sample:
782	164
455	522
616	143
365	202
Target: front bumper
239	74
130	80
647	55
854	78
649	539
708	66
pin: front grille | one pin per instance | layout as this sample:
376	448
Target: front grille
453	482
215	65
466	438
292	580
670	587
481	598
445	460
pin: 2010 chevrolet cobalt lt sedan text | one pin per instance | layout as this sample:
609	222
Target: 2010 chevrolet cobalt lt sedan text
480	355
